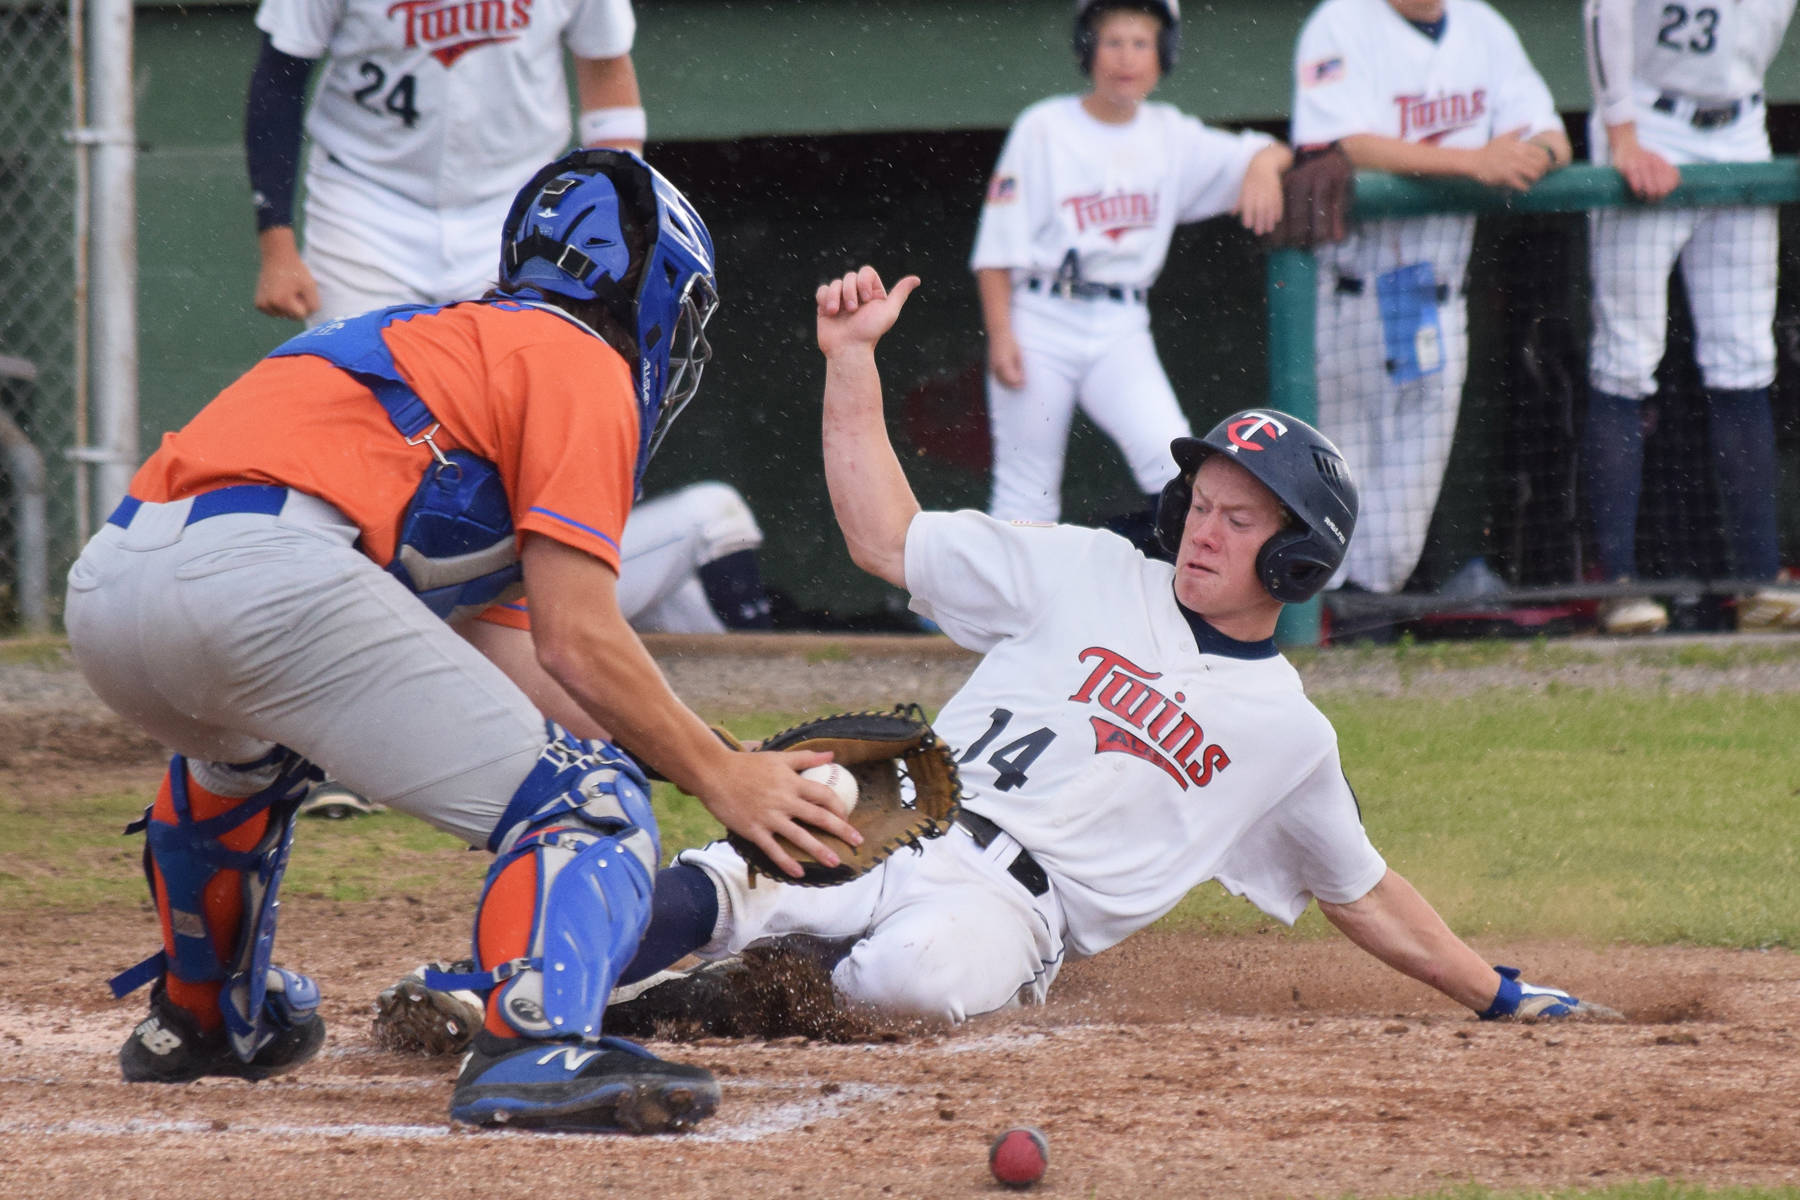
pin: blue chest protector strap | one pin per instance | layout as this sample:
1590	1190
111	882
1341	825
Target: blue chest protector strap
457	551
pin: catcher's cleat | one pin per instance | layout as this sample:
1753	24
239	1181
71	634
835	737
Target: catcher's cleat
413	1017
333	802
607	1085
168	1047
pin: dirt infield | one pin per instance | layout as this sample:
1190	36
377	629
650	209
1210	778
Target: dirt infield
1172	1065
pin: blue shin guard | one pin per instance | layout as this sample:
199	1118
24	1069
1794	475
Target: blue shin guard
568	895
188	854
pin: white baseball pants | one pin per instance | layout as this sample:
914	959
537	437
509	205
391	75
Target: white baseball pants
1395	436
667	540
1097	353
1727	256
942	932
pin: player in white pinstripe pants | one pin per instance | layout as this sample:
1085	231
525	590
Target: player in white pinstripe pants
1674	83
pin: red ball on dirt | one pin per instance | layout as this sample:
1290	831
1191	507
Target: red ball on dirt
1018	1156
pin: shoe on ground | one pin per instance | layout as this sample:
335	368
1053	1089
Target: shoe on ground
702	999
333	802
168	1047
1769	610
601	1086
1474	580
415	1018
1624	616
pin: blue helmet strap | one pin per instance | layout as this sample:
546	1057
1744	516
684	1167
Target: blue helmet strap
542	245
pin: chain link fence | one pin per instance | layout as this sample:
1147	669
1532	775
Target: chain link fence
39	328
1579	413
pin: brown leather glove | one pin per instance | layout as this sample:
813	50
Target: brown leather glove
1315	197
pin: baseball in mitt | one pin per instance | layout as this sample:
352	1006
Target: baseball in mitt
907	790
1315	197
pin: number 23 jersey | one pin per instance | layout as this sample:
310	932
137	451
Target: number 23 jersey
1133	759
448	102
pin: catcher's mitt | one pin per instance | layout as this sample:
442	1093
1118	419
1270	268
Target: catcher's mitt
1315	197
880	749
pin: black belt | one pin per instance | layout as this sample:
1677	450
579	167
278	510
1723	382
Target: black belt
1350	285
1071	289
1024	868
1706	116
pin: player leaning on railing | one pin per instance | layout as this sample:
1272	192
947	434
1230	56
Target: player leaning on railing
1679	83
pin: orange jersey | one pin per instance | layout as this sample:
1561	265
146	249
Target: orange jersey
548	403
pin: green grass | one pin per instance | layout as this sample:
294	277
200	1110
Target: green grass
1557	812
1602	815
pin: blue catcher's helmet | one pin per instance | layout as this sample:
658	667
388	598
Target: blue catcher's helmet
604	225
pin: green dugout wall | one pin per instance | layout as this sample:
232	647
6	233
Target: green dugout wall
814	135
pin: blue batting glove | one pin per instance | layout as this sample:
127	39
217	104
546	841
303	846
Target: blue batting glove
1527	1000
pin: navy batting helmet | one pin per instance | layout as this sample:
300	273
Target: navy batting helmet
1168	42
604	225
1307	474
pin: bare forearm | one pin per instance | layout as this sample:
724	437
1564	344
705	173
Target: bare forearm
995	286
606	82
870	496
1372	152
612	113
1398	926
1557	143
513	651
608	672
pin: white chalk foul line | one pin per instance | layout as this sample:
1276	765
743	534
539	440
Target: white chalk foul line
783	1118
763	1122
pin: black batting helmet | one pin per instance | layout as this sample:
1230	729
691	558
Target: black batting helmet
1168	42
1307	474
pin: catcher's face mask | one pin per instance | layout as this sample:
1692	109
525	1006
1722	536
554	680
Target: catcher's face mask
689	352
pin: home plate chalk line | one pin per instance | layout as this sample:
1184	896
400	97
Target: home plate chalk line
760	1121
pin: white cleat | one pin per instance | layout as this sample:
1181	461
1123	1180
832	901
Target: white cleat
1628	615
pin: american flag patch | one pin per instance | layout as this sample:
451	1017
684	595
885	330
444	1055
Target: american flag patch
1002	189
1325	70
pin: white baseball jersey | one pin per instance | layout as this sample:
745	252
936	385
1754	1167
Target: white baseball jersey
1131	756
1111	193
1360	67
1706	50
1390	391
1111	196
1131	762
446	102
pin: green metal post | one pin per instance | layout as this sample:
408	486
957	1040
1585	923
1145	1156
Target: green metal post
1293	386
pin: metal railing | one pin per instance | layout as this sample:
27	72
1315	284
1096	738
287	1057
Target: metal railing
1292	297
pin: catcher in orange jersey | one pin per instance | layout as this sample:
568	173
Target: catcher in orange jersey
297	583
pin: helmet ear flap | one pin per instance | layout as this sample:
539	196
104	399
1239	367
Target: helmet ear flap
1171	510
1291	568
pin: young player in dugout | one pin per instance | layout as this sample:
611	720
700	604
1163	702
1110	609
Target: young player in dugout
1074	231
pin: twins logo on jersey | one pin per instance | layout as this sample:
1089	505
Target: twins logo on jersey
1149	725
1117	214
1429	120
450	30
